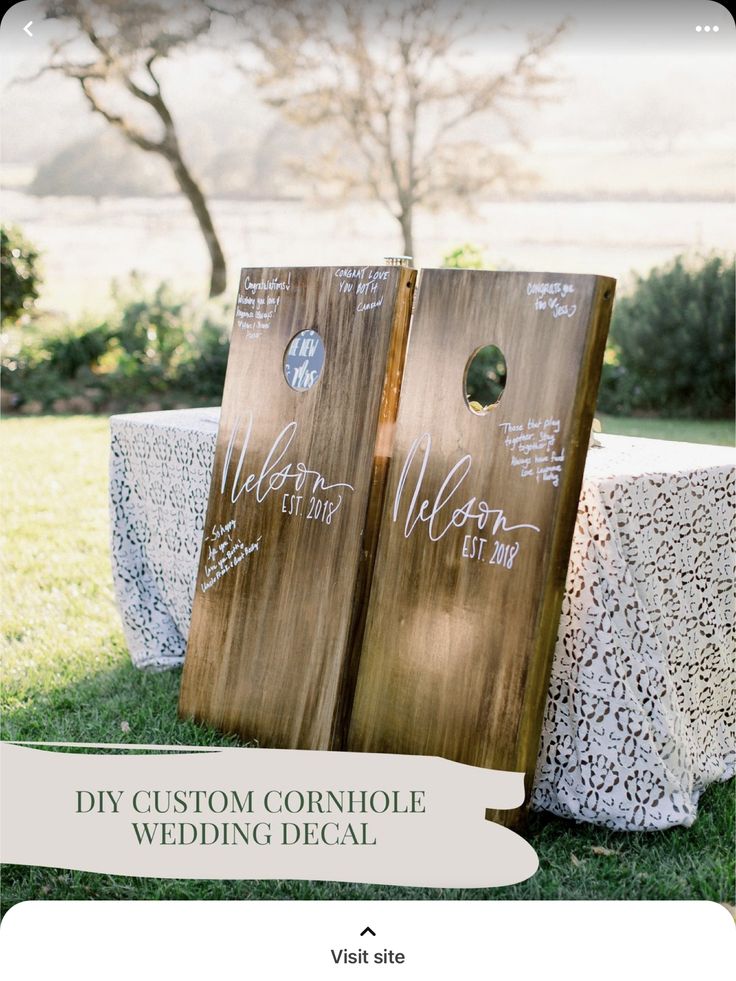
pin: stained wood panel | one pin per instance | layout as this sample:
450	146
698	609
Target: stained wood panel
478	518
297	490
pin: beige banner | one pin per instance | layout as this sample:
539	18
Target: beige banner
185	812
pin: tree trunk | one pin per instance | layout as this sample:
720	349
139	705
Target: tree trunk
218	275
405	220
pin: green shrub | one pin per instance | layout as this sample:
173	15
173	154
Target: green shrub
465	256
19	274
672	343
155	346
150	327
49	360
169	343
70	352
202	373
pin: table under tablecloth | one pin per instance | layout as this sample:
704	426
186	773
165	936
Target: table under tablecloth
641	709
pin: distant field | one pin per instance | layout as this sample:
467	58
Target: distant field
86	243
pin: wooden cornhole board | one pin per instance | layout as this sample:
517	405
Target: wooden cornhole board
478	518
296	494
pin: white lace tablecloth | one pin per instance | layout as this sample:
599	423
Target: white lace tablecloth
641	708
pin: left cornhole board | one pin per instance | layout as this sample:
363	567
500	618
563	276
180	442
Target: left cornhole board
300	466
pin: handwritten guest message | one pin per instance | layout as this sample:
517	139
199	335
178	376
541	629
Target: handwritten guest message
557	299
535	450
367	283
224	550
258	301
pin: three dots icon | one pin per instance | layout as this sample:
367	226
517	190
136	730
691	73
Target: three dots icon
707	28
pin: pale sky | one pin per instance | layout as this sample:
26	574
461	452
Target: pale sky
646	102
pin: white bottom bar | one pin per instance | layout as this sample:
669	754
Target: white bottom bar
196	940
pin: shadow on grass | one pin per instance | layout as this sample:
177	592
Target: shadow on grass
680	863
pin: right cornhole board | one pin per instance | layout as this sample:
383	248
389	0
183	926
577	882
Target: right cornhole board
478	518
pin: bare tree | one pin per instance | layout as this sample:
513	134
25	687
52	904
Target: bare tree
123	42
401	88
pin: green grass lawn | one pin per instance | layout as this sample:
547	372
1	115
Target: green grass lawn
715	431
67	677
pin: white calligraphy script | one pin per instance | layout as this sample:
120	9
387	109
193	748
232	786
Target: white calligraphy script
274	474
435	513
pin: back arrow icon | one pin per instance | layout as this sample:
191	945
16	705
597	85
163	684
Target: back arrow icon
26	28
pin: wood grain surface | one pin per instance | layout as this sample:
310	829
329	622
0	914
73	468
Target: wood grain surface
478	518
296	497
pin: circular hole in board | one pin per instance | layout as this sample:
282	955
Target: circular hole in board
485	379
304	360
